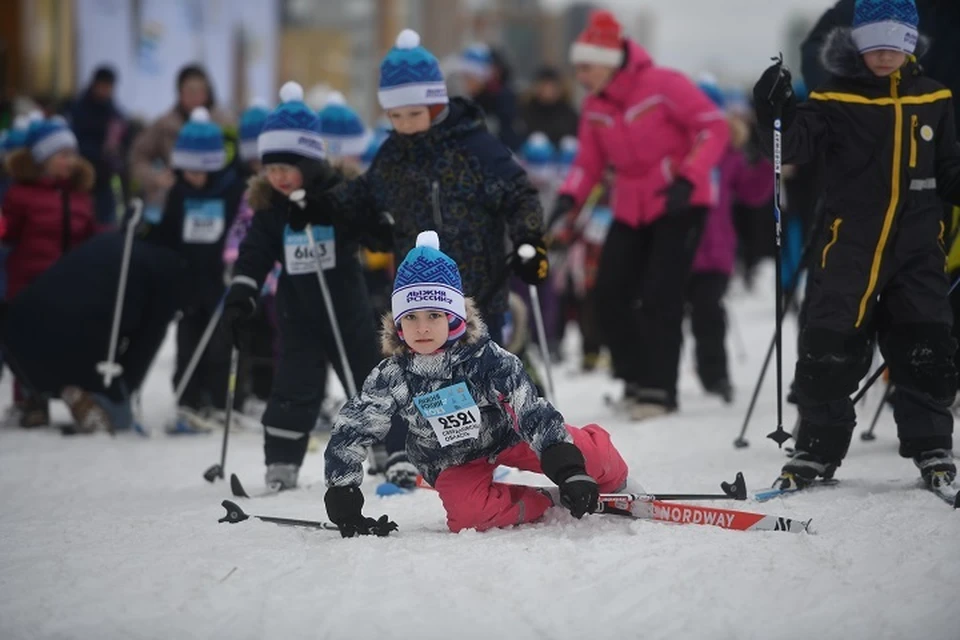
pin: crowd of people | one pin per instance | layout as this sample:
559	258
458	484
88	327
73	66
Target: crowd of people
290	236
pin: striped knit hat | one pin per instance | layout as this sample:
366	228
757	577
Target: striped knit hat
885	24
410	75
429	279
291	131
45	138
251	124
342	129
199	145
476	61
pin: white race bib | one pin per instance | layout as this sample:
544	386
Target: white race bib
297	255
451	412
203	220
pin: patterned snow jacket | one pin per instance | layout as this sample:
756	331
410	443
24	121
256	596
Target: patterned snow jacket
508	410
459	180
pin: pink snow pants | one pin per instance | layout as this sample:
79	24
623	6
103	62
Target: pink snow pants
473	500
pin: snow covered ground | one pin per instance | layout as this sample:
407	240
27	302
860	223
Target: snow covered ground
118	538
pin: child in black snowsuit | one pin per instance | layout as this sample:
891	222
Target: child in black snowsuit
293	155
199	209
891	154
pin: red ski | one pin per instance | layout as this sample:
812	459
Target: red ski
649	508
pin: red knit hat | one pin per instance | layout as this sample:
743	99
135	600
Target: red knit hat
600	43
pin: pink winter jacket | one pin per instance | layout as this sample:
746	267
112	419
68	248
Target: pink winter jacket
650	124
741	182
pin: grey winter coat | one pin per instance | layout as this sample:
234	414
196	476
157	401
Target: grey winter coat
510	409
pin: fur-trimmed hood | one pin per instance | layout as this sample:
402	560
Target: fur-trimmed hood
841	58
391	345
262	196
22	168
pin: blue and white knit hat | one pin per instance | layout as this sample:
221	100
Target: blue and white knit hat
567	153
476	61
251	124
199	145
410	75
48	137
342	129
885	24
538	155
17	136
292	130
428	279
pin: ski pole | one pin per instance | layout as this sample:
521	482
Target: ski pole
527	252
868	436
779	435
741	440
298	197
198	353
110	369
235	514
216	471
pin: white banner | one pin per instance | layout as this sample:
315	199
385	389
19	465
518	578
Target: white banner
106	36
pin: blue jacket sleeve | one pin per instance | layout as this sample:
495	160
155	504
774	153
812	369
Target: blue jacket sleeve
539	423
365	419
507	189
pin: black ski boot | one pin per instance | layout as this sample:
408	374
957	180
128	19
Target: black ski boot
802	470
937	467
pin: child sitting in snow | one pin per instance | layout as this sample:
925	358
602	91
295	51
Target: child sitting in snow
469	407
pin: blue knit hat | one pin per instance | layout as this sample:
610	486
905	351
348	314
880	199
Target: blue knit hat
48	137
251	124
568	150
342	129
885	24
713	92
428	279
199	145
538	155
292	130
476	60
410	75
17	136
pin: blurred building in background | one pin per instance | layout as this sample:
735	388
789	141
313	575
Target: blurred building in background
48	48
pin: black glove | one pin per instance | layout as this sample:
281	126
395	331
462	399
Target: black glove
678	195
563	463
564	205
774	93
313	209
239	307
532	269
344	506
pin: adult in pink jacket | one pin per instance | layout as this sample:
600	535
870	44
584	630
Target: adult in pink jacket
663	137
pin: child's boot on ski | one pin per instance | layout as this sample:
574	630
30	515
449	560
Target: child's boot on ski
937	467
802	470
88	415
282	476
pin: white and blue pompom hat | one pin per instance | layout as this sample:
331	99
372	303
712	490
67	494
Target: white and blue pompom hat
539	155
428	279
410	75
886	24
476	61
342	129
291	131
199	146
47	137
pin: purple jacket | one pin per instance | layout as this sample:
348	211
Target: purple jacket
740	182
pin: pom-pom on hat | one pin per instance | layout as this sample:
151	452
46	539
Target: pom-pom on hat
199	145
476	61
600	43
342	129
428	279
410	75
251	124
885	24
291	131
47	137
